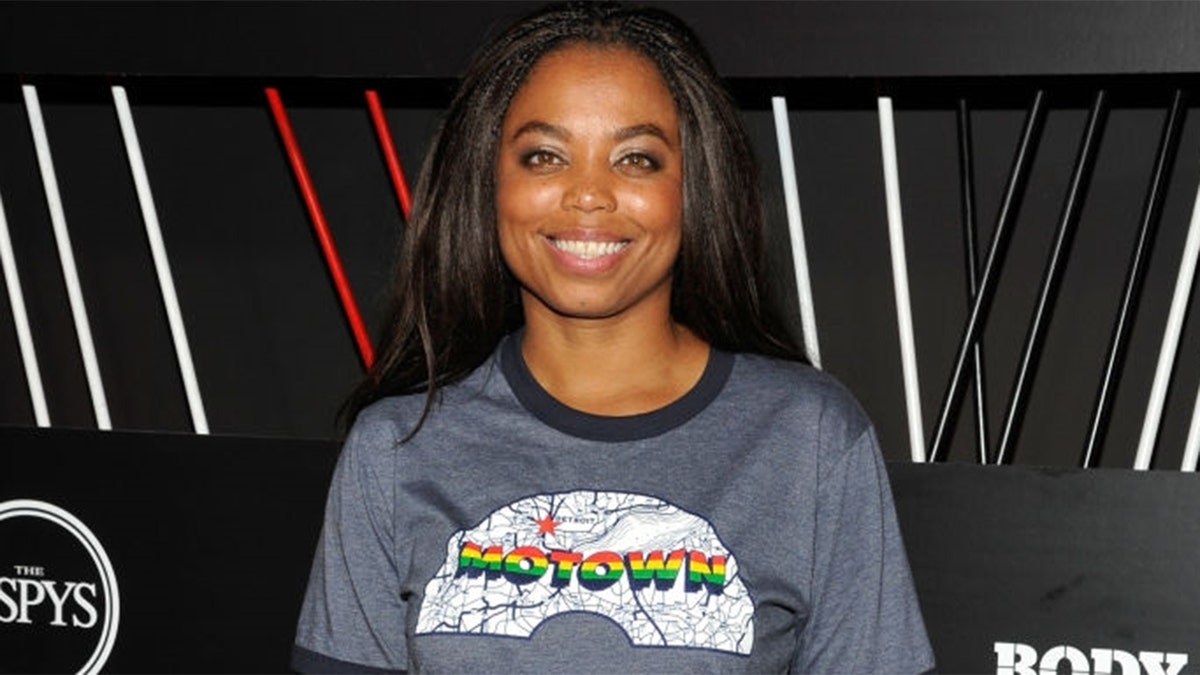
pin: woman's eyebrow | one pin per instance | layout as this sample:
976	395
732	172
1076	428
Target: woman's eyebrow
623	134
539	126
642	130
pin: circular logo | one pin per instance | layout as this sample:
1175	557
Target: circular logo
59	605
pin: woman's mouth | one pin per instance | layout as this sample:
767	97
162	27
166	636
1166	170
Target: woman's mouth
588	250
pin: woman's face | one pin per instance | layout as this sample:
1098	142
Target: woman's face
589	185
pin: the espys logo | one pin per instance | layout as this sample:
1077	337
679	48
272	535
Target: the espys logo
1014	658
59	606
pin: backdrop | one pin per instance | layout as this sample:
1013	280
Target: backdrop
150	547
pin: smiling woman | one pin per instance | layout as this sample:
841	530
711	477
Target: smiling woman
585	444
589	185
589	203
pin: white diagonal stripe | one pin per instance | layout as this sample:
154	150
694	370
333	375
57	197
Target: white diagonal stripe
791	198
16	300
162	265
908	351
66	257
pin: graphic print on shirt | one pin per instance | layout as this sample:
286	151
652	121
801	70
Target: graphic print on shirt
659	572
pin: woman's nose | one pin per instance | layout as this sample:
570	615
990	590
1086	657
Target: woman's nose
590	190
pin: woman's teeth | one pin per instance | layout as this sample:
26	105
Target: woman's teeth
588	249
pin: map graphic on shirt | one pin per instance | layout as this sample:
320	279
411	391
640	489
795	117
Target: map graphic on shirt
660	573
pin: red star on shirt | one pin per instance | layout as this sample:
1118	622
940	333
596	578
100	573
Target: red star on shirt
546	524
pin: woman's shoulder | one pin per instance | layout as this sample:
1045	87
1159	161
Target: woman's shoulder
799	389
791	378
379	428
388	414
392	418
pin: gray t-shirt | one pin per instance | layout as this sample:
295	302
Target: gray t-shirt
746	527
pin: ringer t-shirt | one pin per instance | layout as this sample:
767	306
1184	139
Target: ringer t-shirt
746	527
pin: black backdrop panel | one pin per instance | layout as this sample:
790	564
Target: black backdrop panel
816	38
272	349
211	538
1101	559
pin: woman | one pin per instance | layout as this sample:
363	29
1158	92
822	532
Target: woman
583	446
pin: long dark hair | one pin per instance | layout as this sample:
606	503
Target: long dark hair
454	298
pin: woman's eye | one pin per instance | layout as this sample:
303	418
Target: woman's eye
639	161
540	159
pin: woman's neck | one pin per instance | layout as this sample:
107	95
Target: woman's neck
622	365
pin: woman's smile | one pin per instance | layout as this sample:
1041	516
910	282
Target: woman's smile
587	249
585	256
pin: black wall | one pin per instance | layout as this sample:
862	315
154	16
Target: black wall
1019	554
747	38
272	351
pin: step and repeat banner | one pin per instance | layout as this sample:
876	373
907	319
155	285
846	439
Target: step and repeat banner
149	552
1027	570
145	552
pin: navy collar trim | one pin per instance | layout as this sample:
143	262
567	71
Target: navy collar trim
612	429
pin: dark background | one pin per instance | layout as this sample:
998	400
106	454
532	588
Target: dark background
1020	554
273	352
